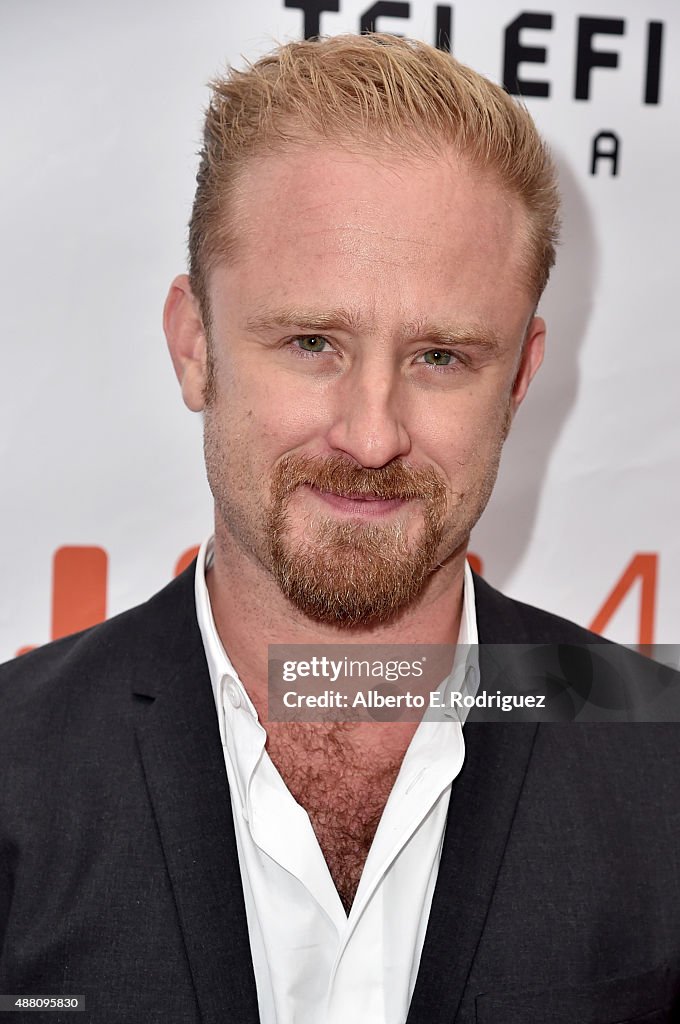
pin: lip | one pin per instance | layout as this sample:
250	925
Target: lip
365	506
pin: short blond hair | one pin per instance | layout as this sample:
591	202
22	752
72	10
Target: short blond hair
365	91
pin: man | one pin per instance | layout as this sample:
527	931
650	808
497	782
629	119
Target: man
373	227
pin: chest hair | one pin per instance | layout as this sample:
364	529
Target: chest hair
342	786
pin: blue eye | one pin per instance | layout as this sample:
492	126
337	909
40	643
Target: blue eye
438	357
311	343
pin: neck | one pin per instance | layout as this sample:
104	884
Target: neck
251	613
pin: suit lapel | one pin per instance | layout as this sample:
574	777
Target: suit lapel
181	752
484	798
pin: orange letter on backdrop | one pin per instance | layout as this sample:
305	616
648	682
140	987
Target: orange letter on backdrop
79	576
78	589
79	581
185	560
642	567
476	563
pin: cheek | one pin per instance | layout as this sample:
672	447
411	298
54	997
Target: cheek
287	420
464	432
258	419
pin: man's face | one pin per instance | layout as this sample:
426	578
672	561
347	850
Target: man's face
366	359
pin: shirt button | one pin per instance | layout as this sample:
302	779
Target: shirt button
233	694
471	678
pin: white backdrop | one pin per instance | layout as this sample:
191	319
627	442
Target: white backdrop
101	123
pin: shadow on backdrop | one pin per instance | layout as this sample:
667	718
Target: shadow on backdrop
503	534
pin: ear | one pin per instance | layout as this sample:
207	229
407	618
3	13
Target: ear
533	350
187	342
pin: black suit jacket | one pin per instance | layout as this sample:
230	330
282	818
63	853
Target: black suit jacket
558	894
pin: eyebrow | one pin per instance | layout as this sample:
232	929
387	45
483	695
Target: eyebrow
470	334
308	319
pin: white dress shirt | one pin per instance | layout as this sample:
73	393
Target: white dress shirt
313	963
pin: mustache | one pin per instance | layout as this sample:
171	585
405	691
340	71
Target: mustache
338	475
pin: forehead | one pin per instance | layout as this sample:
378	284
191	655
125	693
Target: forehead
380	227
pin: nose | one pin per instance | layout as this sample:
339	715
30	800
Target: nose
369	421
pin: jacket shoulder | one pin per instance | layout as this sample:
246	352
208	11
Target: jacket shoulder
503	620
603	680
97	663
